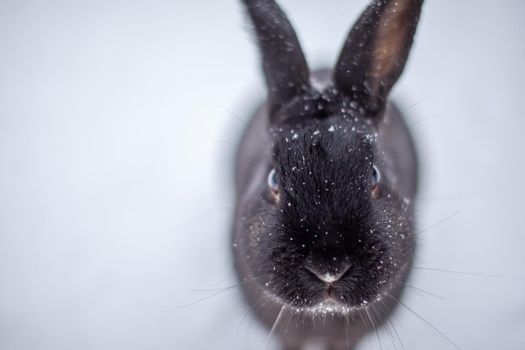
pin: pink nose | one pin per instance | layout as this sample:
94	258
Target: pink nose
328	276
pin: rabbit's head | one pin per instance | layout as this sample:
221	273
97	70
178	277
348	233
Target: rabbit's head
327	224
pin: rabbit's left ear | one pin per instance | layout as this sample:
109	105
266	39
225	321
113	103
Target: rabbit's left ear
376	51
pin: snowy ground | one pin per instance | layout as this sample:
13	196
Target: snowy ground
117	129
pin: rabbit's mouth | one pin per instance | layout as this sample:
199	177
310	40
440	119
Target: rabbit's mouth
327	306
330	306
341	297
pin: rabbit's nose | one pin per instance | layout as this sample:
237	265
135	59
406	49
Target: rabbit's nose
326	275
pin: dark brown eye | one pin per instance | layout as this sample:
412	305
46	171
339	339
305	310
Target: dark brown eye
272	181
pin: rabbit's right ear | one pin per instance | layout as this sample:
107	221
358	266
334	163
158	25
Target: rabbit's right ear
285	68
376	51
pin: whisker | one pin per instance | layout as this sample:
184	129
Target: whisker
275	325
416	122
391	322
418	102
368	326
476	274
378	314
202	299
365	321
246	123
237	330
467	195
374	328
204	290
347	327
397	334
230	276
255	307
217	292
247	280
221	141
291	318
438	223
426	322
426	292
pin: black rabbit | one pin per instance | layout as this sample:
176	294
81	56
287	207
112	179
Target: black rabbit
326	174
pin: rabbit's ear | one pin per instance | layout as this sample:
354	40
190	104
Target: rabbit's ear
376	51
284	64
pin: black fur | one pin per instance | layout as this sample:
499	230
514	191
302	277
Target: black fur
284	65
326	211
327	217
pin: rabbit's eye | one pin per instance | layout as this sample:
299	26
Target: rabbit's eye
272	181
376	177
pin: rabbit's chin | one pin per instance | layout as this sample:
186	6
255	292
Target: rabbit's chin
328	305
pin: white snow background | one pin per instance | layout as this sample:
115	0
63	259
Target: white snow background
118	123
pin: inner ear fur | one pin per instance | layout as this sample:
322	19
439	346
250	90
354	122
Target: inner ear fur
376	51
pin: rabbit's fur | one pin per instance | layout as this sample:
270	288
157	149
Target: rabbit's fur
328	243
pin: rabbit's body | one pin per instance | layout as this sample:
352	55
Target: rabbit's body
325	177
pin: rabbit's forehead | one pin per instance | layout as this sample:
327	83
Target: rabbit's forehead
333	140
